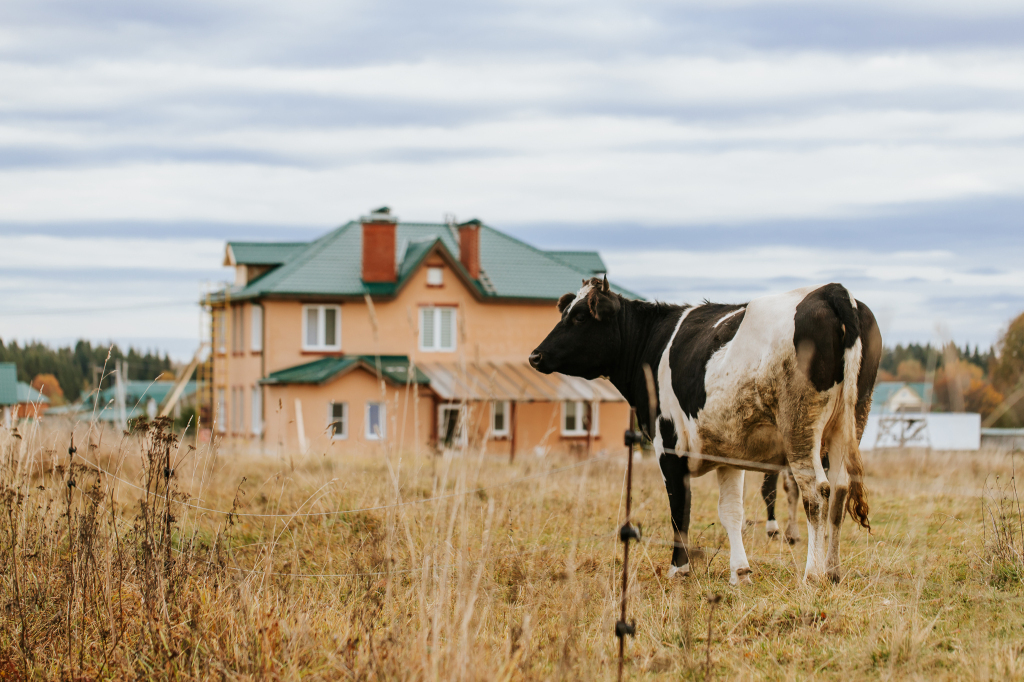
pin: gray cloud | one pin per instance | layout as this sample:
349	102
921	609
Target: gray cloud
871	128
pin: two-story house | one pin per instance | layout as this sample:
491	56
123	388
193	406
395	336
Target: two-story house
411	335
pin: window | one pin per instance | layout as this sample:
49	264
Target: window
577	416
376	418
237	409
337	424
499	418
256	418
437	329
219	329
256	329
237	339
321	327
435	277
222	411
450	425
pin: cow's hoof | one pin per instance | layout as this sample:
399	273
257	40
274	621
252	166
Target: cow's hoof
816	579
742	577
792	533
833	576
680	571
772	529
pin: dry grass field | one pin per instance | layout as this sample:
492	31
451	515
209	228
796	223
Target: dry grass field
485	571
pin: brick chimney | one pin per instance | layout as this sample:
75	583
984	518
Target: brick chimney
379	246
469	247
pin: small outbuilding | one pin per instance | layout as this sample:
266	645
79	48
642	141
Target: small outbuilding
18	400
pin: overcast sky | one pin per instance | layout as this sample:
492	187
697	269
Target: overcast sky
707	149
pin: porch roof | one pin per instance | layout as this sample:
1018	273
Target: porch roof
395	368
512	381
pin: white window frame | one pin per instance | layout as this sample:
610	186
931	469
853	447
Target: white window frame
580	430
321	328
507	414
370	434
343	432
256	329
461	435
256	409
436	343
435	276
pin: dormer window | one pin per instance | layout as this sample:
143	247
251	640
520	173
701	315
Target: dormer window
435	276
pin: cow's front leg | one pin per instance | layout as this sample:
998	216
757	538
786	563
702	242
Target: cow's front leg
793	500
676	472
730	511
769	491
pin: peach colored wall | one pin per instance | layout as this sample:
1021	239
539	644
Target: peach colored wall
238	369
539	425
489	331
496	331
408	420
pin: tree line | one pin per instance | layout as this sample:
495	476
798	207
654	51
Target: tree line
989	382
75	368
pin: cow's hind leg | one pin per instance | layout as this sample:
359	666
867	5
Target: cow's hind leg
815	491
839	477
676	472
769	490
730	511
793	500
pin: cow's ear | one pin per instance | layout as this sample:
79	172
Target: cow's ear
564	302
604	306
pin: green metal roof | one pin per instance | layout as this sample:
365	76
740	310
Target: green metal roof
8	383
27	394
586	261
265	253
144	390
395	368
885	390
332	266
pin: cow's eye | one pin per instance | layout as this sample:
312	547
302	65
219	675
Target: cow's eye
579	317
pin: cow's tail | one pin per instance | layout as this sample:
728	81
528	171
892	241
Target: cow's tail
845	308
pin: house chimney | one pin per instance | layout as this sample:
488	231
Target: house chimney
379	246
469	247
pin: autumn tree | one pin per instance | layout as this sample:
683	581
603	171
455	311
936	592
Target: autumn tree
910	370
48	385
961	384
1007	367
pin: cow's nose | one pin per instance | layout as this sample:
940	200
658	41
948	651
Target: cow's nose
535	358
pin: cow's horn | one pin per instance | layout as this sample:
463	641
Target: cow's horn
605	285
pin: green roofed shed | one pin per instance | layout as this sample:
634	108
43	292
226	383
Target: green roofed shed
8	383
27	394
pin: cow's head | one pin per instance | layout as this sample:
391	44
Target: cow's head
586	341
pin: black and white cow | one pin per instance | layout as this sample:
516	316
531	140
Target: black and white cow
764	385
